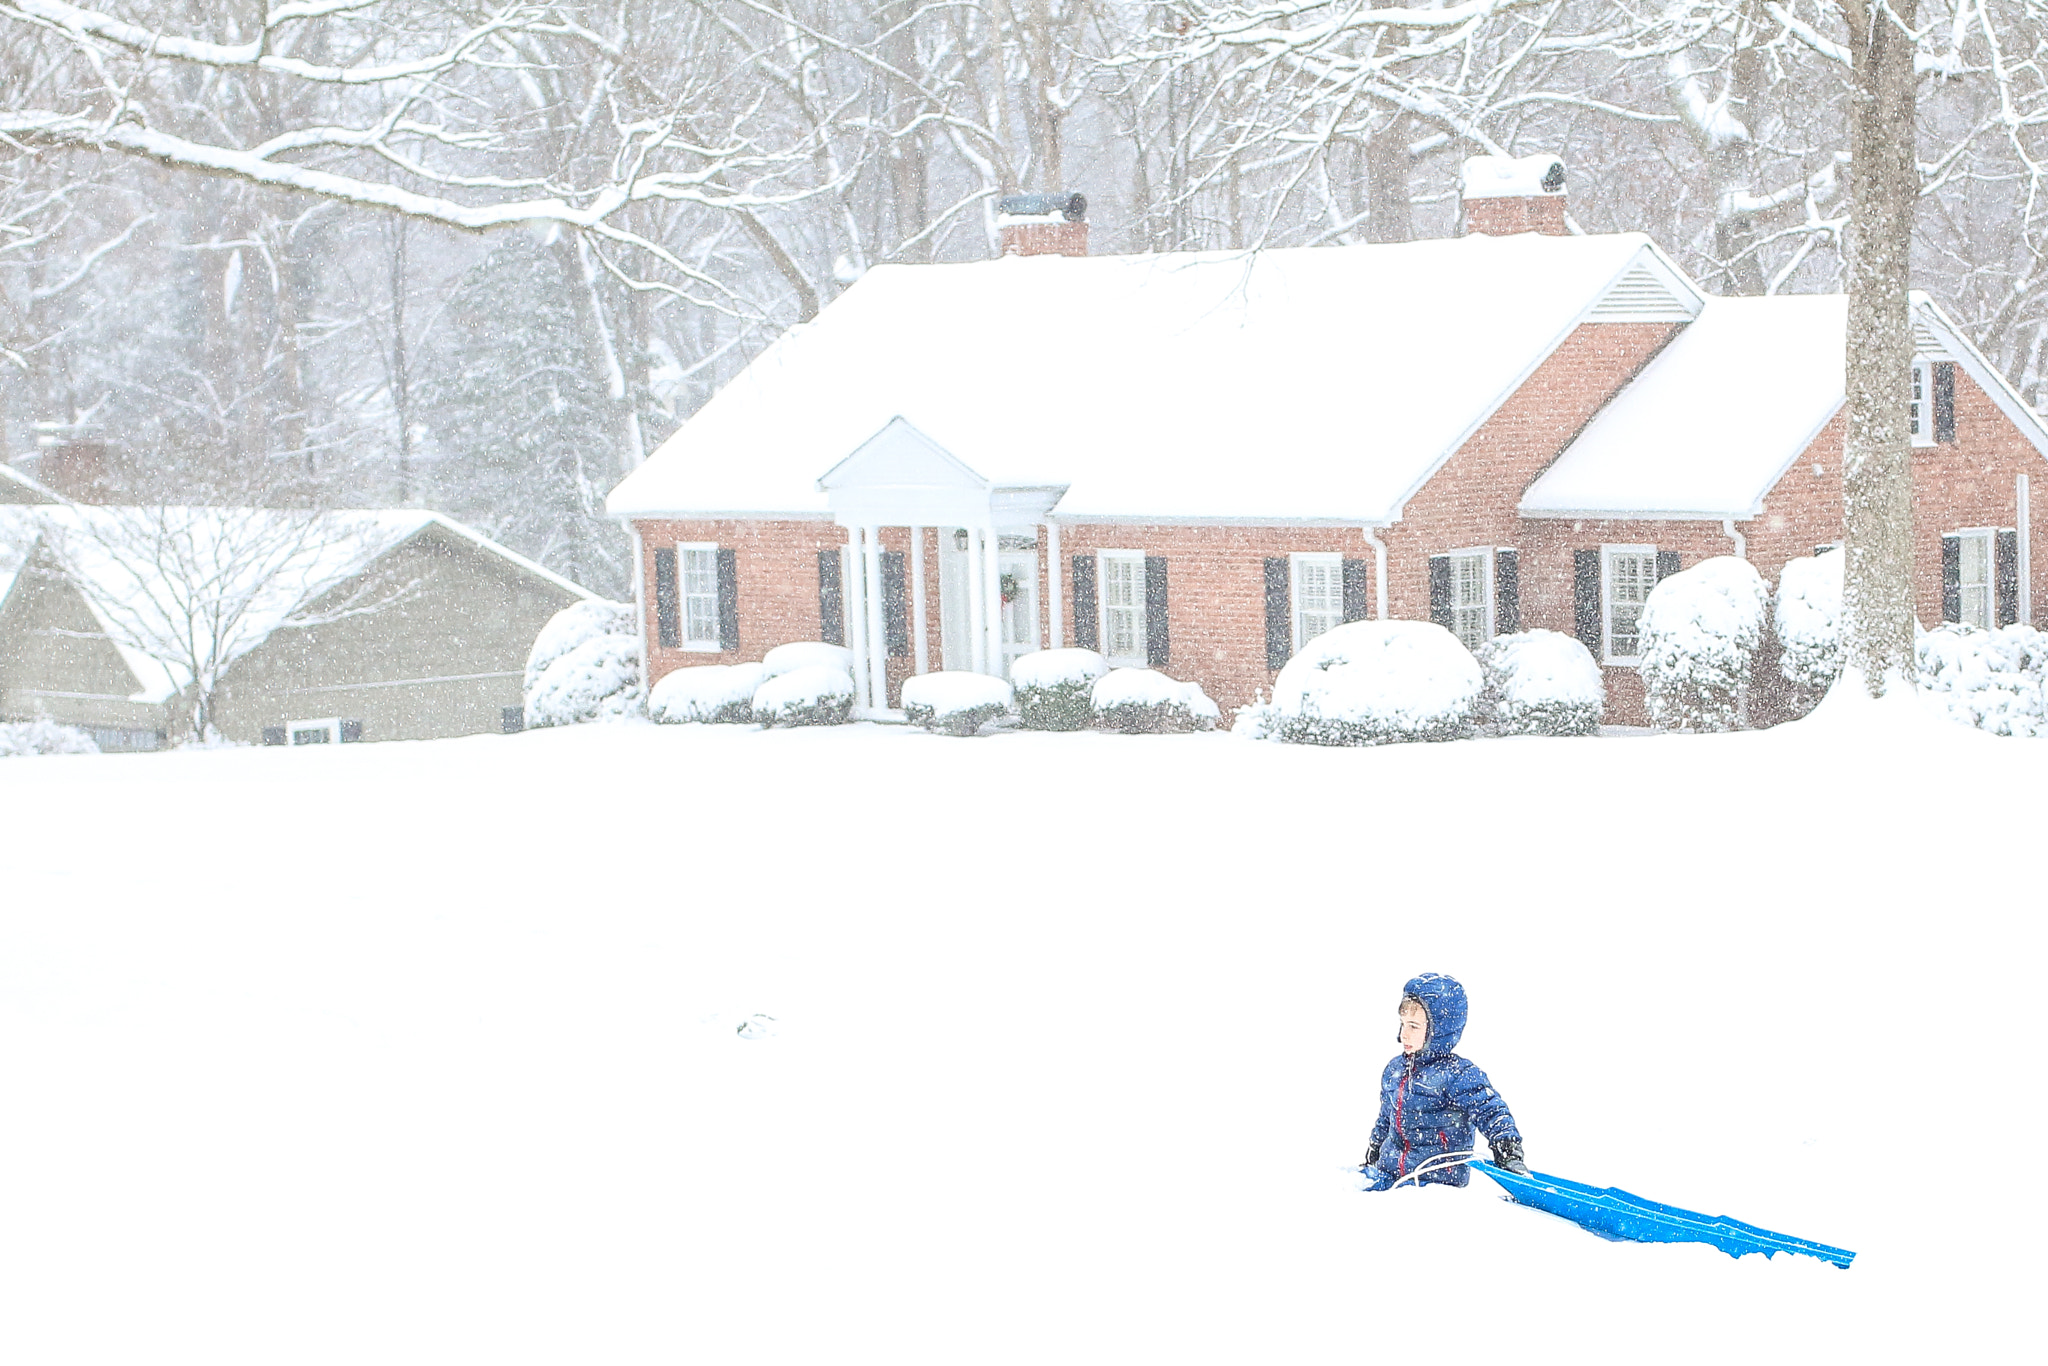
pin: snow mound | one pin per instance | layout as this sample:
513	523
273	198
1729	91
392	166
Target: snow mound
813	695
574	626
1993	680
1808	620
599	680
43	736
955	702
1541	683
804	654
1700	629
1055	688
1145	701
1377	682
715	693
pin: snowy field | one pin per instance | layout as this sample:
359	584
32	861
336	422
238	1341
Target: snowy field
429	1052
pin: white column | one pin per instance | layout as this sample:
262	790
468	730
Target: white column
992	575
920	652
977	636
1056	611
857	612
878	639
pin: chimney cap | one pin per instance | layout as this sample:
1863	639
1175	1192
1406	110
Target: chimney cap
1065	205
1513	177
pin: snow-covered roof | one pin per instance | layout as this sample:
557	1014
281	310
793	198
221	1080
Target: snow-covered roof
16	487
1712	423
136	602
1308	385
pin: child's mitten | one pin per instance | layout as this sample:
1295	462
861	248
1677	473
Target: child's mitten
1507	1155
1372	1153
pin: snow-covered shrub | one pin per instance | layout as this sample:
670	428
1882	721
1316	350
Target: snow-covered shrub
805	654
1147	702
1258	720
1055	688
585	666
1700	632
574	625
955	702
1993	680
599	680
814	695
1808	620
1541	683
716	693
43	736
1375	683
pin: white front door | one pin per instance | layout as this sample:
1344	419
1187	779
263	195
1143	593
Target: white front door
1019	569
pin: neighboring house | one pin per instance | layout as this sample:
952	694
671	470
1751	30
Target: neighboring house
16	487
445	656
1199	461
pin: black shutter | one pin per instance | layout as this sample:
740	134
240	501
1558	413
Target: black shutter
1156	651
1279	610
511	720
728	599
351	732
667	618
2007	570
1951	578
831	597
1507	592
1086	636
1945	401
1440	590
895	603
1586	599
1354	591
274	735
1667	564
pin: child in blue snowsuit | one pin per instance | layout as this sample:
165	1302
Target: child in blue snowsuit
1431	1099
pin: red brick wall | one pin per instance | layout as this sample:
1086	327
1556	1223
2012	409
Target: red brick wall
1506	216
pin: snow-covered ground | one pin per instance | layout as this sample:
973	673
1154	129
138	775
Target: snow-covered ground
431	1052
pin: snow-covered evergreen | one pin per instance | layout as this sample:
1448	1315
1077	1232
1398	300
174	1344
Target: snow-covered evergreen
585	666
1375	682
1701	629
809	695
954	702
1147	702
1993	680
1055	688
711	693
43	736
1541	683
799	654
1807	616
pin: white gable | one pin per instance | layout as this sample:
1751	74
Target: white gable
1648	291
1300	385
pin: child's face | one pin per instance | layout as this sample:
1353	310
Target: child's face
1414	1028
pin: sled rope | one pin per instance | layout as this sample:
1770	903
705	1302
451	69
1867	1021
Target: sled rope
1437	1163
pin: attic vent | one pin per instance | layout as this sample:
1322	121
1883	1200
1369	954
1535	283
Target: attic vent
1640	296
1926	343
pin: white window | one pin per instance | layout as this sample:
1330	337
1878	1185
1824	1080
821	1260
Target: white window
1318	596
1975	594
1472	597
1123	606
697	589
1628	573
1920	409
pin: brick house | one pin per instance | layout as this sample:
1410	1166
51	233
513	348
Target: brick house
1198	461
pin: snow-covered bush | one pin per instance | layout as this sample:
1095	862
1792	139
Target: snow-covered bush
805	654
1375	683
813	695
1993	680
1540	683
43	736
1808	620
585	666
955	702
599	680
1147	702
716	693
1055	688
1258	720
1700	632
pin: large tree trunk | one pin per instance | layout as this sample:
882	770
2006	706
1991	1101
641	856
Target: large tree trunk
1877	483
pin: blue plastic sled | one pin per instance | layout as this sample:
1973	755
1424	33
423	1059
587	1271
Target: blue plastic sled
1617	1214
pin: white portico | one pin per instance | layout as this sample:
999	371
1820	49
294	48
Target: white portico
899	477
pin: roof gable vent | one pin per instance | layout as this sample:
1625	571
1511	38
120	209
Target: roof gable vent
1926	341
1642	295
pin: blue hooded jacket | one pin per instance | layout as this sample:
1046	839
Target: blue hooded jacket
1432	1100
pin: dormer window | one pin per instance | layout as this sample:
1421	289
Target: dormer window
1931	405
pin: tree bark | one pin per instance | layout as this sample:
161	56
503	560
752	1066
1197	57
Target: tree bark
1877	483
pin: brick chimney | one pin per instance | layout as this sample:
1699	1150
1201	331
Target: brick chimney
1043	224
1505	195
74	462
